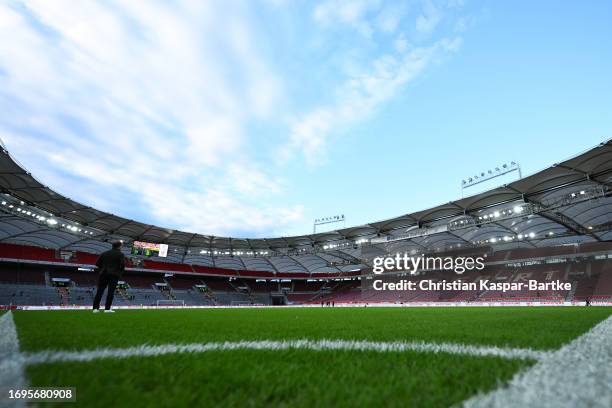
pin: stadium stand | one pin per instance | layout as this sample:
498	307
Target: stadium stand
552	225
583	266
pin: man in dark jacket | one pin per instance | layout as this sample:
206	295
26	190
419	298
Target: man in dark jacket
111	265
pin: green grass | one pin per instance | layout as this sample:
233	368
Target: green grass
541	328
287	378
292	377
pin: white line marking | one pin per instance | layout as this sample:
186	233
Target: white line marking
53	356
577	375
11	367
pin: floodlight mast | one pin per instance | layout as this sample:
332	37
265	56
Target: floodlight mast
487	175
328	220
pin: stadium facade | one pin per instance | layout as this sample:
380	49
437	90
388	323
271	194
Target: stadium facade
554	224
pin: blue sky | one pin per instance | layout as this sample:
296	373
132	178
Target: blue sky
251	119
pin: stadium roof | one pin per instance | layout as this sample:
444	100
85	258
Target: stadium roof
547	193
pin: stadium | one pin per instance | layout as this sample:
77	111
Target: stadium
554	225
124	152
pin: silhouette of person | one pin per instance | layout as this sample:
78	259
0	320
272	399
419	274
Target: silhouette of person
111	265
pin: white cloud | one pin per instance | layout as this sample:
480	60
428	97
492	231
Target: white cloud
358	97
401	44
390	16
429	19
249	179
217	210
214	138
370	78
124	102
116	102
350	12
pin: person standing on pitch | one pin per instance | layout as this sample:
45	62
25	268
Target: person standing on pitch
111	265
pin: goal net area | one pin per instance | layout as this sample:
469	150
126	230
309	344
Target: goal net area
241	303
168	302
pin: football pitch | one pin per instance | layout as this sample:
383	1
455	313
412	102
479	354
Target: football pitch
256	357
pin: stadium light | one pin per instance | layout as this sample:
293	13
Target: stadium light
328	220
491	174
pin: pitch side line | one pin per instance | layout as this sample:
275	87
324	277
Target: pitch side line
11	368
52	356
577	375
